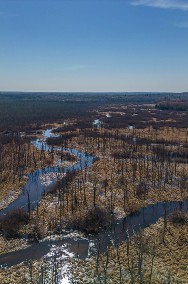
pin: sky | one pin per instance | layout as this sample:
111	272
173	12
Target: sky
94	45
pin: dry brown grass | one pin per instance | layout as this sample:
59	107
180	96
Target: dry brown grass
107	179
165	251
113	191
11	183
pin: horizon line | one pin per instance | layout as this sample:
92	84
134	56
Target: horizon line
97	92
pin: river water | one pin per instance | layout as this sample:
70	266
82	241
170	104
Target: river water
78	246
35	187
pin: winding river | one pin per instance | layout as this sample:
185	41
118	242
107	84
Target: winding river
78	246
35	187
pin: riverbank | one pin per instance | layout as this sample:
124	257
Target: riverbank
45	178
158	255
123	179
12	185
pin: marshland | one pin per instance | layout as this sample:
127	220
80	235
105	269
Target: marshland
94	188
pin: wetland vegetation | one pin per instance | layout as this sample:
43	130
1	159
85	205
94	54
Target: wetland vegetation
140	150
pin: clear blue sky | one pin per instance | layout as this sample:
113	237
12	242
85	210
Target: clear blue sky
94	45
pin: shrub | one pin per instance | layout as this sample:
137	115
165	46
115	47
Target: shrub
178	217
141	190
37	232
92	221
12	221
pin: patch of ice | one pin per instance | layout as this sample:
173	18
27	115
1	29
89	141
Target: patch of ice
60	257
48	178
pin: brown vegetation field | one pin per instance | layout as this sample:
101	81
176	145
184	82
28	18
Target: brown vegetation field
141	158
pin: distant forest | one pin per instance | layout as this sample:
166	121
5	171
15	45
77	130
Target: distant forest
21	111
173	105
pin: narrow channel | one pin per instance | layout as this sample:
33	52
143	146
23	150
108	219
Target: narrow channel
81	247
